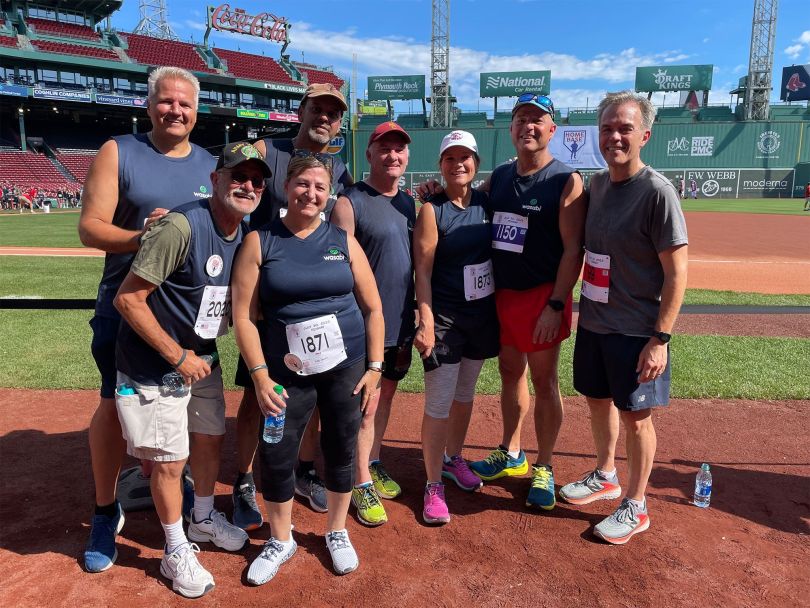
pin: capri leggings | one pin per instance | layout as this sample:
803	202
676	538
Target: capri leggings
449	382
340	423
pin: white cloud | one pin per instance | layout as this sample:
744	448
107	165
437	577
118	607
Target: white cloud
802	44
794	50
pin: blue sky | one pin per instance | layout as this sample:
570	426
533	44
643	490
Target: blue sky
590	46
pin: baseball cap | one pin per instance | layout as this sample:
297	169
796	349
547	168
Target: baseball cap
459	138
325	90
538	101
236	153
388	127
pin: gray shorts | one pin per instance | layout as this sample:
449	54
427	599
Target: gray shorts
156	424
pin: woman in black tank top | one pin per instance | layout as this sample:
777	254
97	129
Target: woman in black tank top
276	275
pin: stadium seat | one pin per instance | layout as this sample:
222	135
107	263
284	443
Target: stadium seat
715	114
581	117
321	76
49	46
502	119
9	41
56	28
27	169
369	122
412	121
471	120
77	162
151	51
254	67
674	115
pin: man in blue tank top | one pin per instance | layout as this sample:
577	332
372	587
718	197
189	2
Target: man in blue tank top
321	113
382	217
174	303
133	181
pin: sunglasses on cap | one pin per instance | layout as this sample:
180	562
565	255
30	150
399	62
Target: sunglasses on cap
322	157
541	101
238	177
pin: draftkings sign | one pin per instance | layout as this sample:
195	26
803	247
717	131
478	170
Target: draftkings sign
674	78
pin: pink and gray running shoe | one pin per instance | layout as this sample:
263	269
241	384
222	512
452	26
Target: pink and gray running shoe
459	471
435	511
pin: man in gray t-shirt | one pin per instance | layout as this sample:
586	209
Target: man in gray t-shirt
632	288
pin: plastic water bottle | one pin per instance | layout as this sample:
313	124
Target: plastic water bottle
274	425
174	382
125	389
703	487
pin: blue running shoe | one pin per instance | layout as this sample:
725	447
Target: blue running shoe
500	464
541	492
101	553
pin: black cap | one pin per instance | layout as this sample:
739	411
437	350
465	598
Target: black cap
239	152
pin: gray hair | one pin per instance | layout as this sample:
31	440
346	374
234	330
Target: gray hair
158	75
645	106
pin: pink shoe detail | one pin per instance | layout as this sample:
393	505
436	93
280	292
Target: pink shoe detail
435	511
459	471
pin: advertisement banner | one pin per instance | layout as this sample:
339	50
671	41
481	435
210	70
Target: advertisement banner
512	84
283	117
713	183
121	100
256	114
14	90
63	94
674	78
766	183
396	87
371	108
577	146
795	83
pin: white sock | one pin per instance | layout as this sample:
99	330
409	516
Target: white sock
174	535
607	474
641	505
514	454
203	505
446	458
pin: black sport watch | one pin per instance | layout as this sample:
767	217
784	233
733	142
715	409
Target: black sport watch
556	305
663	336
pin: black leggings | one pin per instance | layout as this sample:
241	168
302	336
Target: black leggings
340	423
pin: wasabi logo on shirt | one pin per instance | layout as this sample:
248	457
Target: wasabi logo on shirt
202	192
533	205
333	254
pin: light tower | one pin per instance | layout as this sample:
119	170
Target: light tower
440	65
154	21
760	60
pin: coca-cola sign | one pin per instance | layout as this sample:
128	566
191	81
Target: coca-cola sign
263	25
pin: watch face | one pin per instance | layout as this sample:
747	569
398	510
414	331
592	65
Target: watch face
664	337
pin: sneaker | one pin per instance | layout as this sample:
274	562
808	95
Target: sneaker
459	471
188	577
101	553
541	492
218	530
269	561
370	510
435	509
385	486
310	486
344	557
626	521
500	464
246	513
591	488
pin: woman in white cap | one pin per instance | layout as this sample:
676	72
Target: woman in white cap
458	325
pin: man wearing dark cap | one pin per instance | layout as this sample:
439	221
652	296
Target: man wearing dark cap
174	303
381	217
321	113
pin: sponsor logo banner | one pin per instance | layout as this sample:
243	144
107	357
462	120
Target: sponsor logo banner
512	84
257	114
577	146
396	87
64	94
768	144
262	25
286	88
121	100
740	183
795	83
14	90
283	117
674	78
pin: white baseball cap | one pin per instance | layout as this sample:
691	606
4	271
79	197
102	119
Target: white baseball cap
459	138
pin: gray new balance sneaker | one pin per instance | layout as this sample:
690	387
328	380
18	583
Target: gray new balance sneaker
310	486
625	522
590	488
269	561
217	529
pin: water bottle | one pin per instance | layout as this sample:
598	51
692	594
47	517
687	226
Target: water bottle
703	487
274	425
125	389
173	382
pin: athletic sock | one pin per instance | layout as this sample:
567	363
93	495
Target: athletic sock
304	467
109	510
609	475
641	505
203	505
174	535
447	459
360	486
513	454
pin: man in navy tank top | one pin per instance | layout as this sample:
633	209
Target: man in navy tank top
174	302
133	181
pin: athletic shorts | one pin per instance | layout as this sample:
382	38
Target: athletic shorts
397	361
105	335
459	335
518	312
605	368
156	424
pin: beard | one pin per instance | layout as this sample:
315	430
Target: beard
313	135
241	205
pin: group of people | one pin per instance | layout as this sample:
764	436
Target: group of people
330	286
30	197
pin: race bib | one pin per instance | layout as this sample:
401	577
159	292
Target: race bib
596	277
478	282
509	231
315	345
214	314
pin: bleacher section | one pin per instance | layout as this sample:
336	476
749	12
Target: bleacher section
70	30
150	51
412	121
581	117
471	120
321	76
502	119
75	49
254	67
372	121
715	114
30	169
789	113
77	162
9	41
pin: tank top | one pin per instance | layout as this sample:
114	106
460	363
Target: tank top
147	180
526	242
198	287
305	279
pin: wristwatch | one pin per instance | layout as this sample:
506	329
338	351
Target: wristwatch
376	366
556	305
663	336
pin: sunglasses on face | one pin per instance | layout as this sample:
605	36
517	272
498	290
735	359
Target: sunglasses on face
237	177
322	157
541	100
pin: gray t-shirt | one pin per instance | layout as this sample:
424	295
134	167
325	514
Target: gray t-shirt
630	223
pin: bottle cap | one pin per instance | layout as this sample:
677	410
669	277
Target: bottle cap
704	467
279	390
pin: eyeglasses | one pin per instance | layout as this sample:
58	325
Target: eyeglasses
322	157
543	102
237	177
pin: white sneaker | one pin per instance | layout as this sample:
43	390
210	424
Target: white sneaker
344	557
269	561
217	529
188	577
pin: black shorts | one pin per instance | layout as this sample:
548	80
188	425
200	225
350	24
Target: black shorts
605	368
105	336
460	335
397	361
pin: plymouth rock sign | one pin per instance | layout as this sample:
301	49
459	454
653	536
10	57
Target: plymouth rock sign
262	25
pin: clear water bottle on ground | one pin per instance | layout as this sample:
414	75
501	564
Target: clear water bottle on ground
174	382
703	487
274	425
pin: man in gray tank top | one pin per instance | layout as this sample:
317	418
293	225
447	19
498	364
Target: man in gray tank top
132	182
